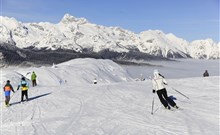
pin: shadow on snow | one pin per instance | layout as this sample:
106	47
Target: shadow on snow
172	97
32	98
184	101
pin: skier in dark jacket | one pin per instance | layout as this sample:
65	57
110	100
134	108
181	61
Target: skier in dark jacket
159	83
7	89
24	89
206	74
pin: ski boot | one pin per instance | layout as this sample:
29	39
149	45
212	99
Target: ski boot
176	107
168	107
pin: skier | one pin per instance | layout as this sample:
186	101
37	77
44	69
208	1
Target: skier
95	81
24	89
158	86
33	79
60	81
142	78
206	74
7	89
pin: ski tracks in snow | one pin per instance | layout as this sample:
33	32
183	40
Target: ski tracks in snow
72	119
24	118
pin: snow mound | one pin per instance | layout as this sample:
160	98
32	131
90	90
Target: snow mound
77	71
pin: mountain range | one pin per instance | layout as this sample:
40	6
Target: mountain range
81	36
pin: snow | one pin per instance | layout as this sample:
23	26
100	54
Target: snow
78	33
117	105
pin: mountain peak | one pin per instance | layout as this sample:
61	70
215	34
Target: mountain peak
67	18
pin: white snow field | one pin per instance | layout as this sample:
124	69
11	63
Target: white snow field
116	105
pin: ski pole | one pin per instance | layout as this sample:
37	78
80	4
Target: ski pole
12	95
180	93
152	111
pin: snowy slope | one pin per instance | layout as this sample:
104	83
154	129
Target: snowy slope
78	34
113	106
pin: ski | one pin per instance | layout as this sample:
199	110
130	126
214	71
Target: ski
175	109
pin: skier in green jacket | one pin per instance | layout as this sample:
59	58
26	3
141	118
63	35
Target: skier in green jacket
33	79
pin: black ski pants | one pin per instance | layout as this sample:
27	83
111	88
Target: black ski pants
7	99
34	83
164	99
24	93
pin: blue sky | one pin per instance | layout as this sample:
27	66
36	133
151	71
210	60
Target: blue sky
187	19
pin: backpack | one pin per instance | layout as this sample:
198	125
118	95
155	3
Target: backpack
23	84
7	88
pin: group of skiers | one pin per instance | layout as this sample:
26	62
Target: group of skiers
23	85
158	84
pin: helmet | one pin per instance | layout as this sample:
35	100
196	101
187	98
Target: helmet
156	72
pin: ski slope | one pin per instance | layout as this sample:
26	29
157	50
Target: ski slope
117	105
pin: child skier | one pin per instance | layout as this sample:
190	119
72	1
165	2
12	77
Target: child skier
24	89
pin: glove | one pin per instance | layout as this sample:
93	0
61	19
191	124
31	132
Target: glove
153	91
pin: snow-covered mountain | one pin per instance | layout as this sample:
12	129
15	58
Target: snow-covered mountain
204	49
79	34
